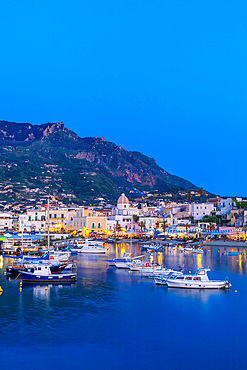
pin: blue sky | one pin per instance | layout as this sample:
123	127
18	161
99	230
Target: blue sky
166	78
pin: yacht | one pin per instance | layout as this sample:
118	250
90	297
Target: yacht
91	246
199	280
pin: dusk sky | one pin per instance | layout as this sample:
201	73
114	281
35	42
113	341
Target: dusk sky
166	78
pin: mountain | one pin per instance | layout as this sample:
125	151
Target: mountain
51	158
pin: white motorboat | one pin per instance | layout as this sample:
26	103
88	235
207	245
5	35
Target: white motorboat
133	264
161	271
199	280
126	258
93	248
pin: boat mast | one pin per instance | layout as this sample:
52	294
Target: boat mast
48	224
22	221
131	235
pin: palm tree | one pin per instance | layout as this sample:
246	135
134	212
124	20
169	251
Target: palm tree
201	192
117	228
142	225
211	227
164	226
186	227
189	195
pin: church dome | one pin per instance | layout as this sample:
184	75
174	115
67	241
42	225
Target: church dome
123	199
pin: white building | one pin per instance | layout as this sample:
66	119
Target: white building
6	220
149	222
124	208
199	210
226	205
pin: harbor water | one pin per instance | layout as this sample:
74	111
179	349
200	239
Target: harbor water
112	319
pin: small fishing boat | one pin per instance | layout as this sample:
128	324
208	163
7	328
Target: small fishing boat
232	254
42	274
152	247
191	250
161	280
21	265
199	280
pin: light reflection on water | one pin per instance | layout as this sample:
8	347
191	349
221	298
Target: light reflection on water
108	311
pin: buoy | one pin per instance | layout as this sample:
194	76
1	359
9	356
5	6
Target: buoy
46	288
21	283
235	291
189	272
20	289
1	289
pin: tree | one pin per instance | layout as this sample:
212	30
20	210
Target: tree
186	227
164	226
211	227
117	228
189	195
135	218
142	225
201	192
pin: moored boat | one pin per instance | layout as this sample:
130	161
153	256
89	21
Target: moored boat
126	258
199	280
43	274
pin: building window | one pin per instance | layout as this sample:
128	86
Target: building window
49	215
42	218
55	215
89	215
29	218
93	225
99	225
62	215
36	218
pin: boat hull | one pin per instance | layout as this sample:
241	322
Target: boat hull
198	285
54	278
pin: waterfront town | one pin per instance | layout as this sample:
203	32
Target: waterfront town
216	218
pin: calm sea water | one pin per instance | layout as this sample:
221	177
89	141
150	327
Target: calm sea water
111	319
